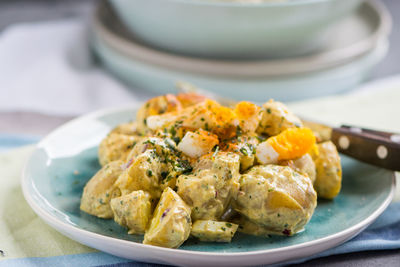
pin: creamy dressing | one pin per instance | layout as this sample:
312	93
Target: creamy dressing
187	158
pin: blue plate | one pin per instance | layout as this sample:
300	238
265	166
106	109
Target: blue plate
66	159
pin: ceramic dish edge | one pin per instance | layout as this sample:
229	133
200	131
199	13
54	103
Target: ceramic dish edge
160	255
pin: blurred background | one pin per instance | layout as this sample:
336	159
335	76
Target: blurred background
61	59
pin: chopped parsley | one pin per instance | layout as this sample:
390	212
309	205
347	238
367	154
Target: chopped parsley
238	131
244	151
215	152
150	142
172	131
170	145
176	140
164	175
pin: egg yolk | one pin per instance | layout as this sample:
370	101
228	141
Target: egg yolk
292	143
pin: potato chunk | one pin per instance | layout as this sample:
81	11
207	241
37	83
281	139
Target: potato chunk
209	189
171	222
100	190
116	146
329	171
304	165
213	231
132	211
248	227
245	147
129	128
277	198
142	173
153	165
276	118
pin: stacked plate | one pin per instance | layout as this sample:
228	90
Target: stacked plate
342	58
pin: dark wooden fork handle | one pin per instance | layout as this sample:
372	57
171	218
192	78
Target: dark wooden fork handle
375	147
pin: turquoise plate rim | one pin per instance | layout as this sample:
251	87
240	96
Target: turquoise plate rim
72	231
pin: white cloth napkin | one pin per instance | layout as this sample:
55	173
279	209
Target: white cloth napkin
48	67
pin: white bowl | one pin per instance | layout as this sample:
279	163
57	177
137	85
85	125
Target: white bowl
233	29
357	44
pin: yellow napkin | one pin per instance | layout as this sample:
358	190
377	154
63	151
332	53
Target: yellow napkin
22	232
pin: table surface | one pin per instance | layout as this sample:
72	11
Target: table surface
15	11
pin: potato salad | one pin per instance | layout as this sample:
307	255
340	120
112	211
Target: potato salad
189	167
